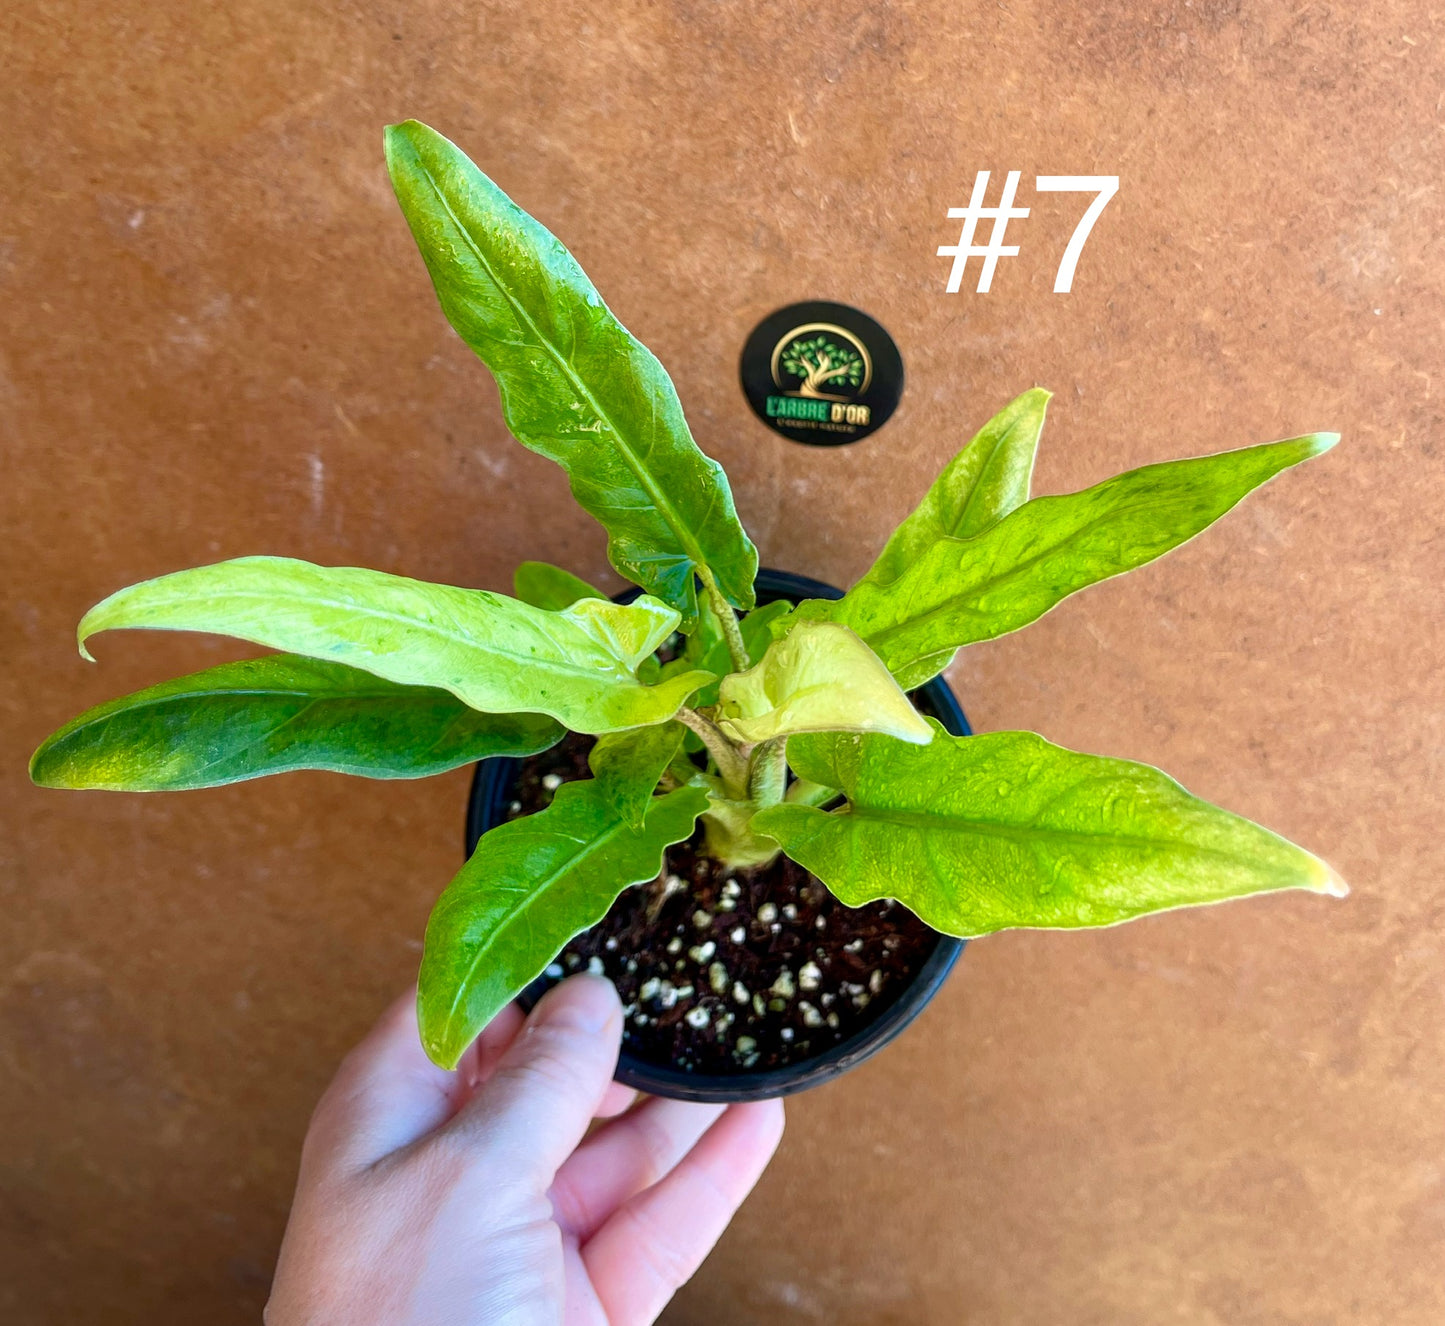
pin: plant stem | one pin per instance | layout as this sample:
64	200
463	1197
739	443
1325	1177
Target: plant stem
731	765
727	618
769	777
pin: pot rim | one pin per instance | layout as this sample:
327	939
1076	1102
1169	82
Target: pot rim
491	790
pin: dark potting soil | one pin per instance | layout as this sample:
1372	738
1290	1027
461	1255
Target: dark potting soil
735	969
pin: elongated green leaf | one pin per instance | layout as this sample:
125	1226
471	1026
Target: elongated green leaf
819	678
271	715
576	386
492	652
977	834
530	886
628	766
961	590
978	487
546	586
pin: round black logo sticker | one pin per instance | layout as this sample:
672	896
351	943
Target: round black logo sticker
821	373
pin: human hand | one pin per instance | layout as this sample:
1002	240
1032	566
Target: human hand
429	1198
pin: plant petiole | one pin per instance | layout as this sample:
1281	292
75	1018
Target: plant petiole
732	765
727	618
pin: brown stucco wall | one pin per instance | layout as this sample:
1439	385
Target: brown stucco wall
216	338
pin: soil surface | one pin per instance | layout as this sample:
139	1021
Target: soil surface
735	969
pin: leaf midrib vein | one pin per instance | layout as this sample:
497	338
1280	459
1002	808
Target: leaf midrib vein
1015	570
536	893
634	463
966	509
925	822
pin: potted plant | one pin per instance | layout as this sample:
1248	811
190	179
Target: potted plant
778	767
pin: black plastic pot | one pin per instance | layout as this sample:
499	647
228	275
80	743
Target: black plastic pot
492	790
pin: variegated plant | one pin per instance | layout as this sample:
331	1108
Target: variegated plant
701	702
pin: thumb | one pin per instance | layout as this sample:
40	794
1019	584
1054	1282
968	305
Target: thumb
549	1085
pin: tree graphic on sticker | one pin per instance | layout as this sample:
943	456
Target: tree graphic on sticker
823	361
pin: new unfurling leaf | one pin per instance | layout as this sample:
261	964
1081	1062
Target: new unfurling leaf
820	677
708	649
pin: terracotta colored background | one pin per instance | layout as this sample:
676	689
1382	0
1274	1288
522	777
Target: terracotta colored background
216	338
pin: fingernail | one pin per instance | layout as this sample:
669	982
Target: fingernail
586	1003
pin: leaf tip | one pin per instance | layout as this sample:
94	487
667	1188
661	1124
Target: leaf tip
40	774
1330	883
402	131
1316	444
435	1040
401	144
392	136
439	1053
